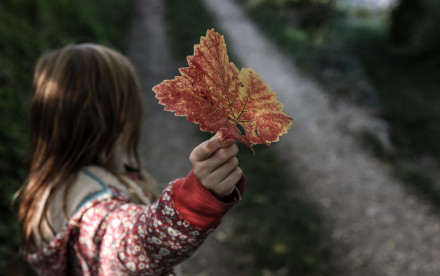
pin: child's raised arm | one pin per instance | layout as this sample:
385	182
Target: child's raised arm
216	166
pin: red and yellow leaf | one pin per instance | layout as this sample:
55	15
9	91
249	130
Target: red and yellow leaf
213	93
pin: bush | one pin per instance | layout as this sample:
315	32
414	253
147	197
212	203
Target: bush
28	28
414	26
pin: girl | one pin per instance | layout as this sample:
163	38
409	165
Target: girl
86	207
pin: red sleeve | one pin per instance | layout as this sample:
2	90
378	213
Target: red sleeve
198	205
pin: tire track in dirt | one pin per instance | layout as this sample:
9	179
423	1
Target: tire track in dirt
166	139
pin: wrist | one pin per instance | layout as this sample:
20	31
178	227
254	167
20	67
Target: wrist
232	197
198	205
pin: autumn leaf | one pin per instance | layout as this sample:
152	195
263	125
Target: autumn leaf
213	93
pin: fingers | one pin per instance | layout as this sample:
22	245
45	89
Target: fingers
222	155
207	148
215	165
223	180
219	158
226	187
221	172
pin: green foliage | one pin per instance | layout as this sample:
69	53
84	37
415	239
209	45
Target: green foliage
64	21
405	19
277	228
27	29
414	176
407	72
414	27
186	23
419	181
408	88
11	171
310	15
374	145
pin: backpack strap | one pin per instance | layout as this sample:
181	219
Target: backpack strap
105	190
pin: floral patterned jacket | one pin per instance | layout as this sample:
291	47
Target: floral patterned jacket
112	235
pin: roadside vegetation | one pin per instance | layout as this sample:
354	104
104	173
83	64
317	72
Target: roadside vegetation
277	231
27	29
384	59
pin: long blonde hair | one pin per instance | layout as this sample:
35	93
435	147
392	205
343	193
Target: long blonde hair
84	97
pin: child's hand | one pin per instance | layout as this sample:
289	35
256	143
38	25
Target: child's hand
216	166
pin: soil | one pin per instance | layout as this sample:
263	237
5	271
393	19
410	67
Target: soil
376	226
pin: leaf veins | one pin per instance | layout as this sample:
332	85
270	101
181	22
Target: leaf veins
213	93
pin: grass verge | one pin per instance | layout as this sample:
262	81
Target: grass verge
408	88
186	23
277	231
27	29
413	175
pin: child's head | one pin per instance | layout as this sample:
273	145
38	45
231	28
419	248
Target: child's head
85	97
86	110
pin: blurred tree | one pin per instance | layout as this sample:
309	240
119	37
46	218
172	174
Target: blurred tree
416	25
428	42
404	21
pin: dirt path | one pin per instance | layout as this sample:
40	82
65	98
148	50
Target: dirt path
168	140
377	227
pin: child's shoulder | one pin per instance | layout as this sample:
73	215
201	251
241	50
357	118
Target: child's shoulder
94	182
90	183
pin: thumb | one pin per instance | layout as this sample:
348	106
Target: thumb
223	143
207	148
